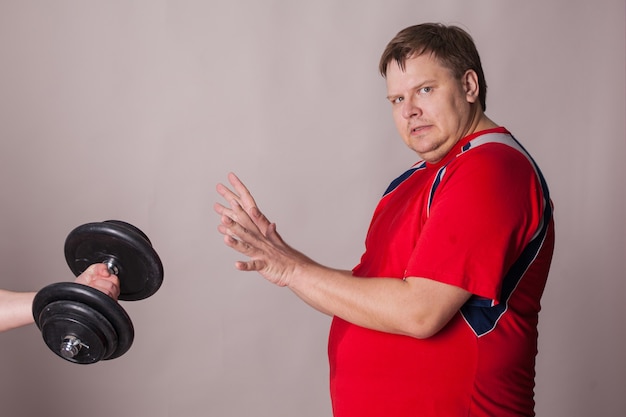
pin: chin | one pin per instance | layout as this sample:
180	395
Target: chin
421	150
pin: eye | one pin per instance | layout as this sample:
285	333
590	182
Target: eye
396	100
425	90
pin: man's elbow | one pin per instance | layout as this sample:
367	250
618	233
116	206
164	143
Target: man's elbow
424	328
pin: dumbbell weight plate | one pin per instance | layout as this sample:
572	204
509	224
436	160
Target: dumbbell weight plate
140	270
69	309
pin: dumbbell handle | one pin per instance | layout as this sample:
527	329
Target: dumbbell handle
112	266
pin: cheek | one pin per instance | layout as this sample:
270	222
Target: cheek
444	113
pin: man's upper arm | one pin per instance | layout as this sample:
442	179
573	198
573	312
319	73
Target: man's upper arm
436	303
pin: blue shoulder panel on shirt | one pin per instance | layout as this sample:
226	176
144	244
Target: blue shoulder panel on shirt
395	183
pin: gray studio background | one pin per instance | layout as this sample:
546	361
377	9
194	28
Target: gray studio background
134	110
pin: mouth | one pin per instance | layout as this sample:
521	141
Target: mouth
416	130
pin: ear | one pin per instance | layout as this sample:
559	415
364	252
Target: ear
470	85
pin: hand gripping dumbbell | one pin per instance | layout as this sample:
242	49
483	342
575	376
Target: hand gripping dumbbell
82	324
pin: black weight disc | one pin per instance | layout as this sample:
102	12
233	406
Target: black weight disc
82	311
62	319
140	270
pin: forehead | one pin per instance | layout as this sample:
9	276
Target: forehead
417	69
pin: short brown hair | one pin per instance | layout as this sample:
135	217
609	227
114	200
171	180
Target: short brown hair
451	45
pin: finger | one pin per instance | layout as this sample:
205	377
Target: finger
219	208
236	211
273	236
244	198
247	201
260	220
242	195
240	245
112	278
248	217
99	277
99	271
252	265
239	215
231	228
92	273
107	286
228	215
226	193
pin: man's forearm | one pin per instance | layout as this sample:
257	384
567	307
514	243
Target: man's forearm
414	307
15	309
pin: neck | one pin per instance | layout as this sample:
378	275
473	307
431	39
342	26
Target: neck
480	121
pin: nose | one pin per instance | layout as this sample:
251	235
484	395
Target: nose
410	108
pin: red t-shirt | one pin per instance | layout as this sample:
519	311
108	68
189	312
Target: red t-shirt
480	219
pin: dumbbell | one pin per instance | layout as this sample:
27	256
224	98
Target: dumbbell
82	324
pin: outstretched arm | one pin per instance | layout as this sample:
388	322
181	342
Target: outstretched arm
417	307
16	307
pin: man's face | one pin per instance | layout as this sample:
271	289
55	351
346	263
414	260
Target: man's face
431	109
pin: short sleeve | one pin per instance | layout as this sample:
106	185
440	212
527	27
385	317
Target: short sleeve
484	211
